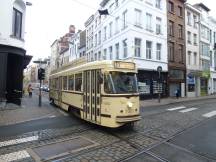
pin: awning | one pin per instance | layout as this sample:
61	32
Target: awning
26	61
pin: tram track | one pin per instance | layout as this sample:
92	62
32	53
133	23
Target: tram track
147	151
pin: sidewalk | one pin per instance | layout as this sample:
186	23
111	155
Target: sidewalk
29	110
167	101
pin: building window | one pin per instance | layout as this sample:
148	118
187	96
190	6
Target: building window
148	50
105	54
181	53
180	29
105	33
111	52
110	31
95	40
171	7
158	25
189	57
116	3
158	51
171	51
137	47
125	48
149	22
180	11
189	37
195	39
117	25
99	37
189	18
17	23
195	21
195	58
117	50
158	4
171	28
138	14
124	20
99	55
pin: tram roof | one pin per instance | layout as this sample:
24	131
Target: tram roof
104	64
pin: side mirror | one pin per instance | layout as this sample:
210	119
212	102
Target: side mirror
100	78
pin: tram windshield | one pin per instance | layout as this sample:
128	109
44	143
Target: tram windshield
120	83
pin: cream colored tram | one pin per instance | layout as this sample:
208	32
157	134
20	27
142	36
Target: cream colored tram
101	92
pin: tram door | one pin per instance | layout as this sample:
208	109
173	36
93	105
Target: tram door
60	91
91	97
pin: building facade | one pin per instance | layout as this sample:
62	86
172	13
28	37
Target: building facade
192	33
176	47
13	58
212	81
134	30
204	49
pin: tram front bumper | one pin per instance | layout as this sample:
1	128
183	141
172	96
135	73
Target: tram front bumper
131	118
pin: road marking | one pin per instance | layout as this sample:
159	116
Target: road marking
14	156
53	116
176	108
210	114
187	110
18	141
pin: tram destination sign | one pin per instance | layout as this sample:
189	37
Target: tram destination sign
124	65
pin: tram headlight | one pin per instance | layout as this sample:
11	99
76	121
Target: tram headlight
130	104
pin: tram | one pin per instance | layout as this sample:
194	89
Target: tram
100	92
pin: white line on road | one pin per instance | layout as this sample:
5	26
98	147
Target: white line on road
176	108
18	141
14	156
210	114
187	110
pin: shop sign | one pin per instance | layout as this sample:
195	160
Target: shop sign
190	80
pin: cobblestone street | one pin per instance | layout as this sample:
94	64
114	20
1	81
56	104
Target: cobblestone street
155	129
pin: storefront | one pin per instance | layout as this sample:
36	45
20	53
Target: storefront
176	82
193	84
204	88
150	86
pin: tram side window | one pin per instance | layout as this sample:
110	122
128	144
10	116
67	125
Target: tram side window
71	82
78	82
65	83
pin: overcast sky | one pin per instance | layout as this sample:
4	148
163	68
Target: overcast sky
47	20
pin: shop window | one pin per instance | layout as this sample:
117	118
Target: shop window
78	82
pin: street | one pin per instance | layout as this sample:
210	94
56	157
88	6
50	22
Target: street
180	132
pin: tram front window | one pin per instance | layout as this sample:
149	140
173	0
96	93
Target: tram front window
120	83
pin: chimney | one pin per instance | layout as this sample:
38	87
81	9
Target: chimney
72	29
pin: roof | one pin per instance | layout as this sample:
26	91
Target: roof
89	66
202	6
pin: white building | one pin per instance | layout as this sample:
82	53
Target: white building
134	30
204	49
192	50
74	43
13	58
54	59
212	82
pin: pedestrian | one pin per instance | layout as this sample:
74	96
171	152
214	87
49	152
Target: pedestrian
177	93
30	90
